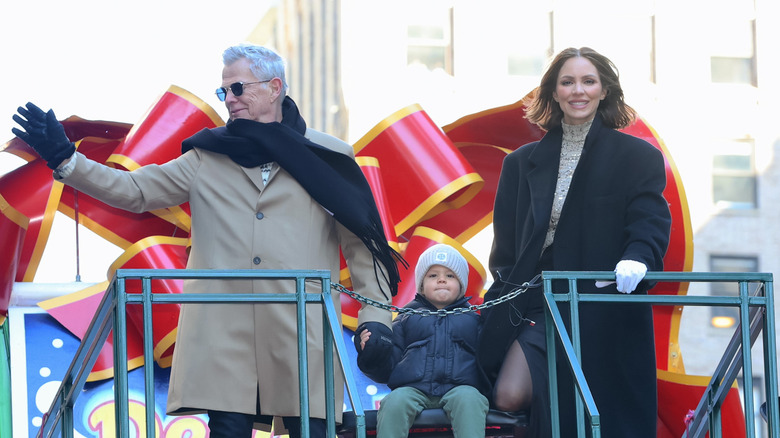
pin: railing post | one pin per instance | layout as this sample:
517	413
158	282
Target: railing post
349	379
747	364
5	383
327	350
574	315
770	363
146	298
303	355
554	320
552	368
120	360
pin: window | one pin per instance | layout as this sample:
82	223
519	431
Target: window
732	70
528	56
734	182
727	317
429	38
733	59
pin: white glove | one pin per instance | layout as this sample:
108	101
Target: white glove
628	274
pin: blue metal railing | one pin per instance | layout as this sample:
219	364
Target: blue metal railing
756	314
111	316
5	383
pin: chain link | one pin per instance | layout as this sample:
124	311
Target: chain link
520	289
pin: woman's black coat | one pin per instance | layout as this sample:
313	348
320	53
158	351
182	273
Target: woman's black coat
614	211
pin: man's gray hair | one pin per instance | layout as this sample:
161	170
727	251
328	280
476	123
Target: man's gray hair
264	62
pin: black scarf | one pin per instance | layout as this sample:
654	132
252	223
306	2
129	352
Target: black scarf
333	179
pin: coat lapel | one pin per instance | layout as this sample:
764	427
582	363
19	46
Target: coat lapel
255	174
541	179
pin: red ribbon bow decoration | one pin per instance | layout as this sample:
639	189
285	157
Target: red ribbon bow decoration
432	185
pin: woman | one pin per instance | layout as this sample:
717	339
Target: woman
584	198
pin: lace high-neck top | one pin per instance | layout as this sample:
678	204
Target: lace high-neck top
571	149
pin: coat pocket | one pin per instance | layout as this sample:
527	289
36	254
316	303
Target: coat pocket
465	368
411	367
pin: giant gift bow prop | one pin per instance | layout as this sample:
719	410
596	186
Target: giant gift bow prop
432	185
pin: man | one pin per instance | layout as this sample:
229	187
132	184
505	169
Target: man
265	192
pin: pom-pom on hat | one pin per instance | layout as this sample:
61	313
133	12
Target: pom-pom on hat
447	256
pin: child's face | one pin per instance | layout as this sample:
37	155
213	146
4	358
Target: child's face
440	286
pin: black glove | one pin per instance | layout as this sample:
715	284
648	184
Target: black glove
44	133
374	359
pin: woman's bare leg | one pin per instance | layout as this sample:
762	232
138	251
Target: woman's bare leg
514	388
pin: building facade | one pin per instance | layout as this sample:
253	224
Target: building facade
704	76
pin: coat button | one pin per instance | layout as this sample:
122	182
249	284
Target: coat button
256	260
259	215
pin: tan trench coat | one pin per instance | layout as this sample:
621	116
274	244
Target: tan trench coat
225	353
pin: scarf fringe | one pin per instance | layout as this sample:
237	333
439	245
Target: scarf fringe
383	256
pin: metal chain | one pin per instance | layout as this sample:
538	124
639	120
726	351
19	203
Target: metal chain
520	289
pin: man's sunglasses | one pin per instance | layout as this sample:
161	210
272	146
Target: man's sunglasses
237	88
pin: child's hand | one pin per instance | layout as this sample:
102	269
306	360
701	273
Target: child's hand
374	348
364	335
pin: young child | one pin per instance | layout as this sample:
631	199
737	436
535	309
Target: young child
434	363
